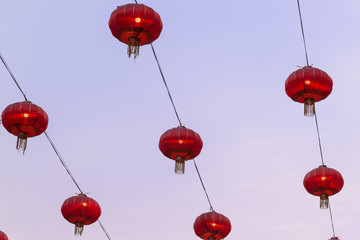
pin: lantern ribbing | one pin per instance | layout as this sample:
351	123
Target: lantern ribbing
50	141
303	34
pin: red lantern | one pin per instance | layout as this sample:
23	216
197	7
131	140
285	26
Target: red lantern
135	25
308	85
3	236
24	119
180	144
80	210
323	182
212	226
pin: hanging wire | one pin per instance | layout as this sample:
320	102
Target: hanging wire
303	34
316	121
51	142
177	115
102	226
12	75
167	88
202	183
331	217
62	161
318	134
135	1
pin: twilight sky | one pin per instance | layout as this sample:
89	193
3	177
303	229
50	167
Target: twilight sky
226	63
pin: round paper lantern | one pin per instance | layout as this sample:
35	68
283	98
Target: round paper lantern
3	236
323	182
80	210
308	85
180	144
212	226
24	119
135	25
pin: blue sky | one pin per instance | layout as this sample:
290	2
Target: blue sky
226	64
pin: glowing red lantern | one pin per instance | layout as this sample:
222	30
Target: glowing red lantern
323	182
135	25
80	210
180	144
24	119
3	236
212	226
308	85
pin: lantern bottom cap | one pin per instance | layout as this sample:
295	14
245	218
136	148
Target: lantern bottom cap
324	201
179	165
309	107
21	141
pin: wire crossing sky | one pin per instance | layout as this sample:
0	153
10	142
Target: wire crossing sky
227	65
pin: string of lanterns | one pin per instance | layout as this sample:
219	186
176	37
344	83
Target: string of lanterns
137	25
309	85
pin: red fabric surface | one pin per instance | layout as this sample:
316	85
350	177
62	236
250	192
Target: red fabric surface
123	24
212	224
3	236
81	209
182	142
308	82
24	117
323	180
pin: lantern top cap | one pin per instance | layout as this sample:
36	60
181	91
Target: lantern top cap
323	165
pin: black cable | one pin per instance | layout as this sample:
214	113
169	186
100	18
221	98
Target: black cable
107	235
331	217
303	34
62	161
202	183
167	88
12	75
318	134
135	1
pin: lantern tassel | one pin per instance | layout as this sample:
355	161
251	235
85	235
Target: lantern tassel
324	201
79	228
309	107
179	165
133	46
21	141
133	50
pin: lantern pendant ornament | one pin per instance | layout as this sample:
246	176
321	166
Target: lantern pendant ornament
80	210
135	25
180	144
308	85
212	226
323	182
24	120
